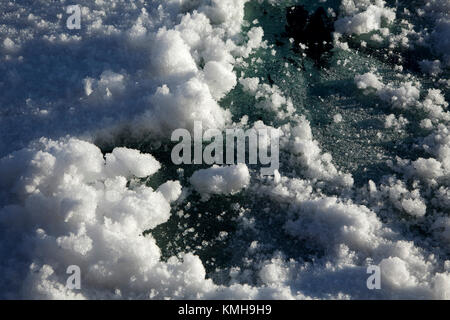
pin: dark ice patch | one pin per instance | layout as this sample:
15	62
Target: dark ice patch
313	31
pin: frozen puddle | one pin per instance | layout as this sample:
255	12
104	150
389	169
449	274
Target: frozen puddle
86	118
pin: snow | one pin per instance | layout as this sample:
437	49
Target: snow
67	206
126	162
368	80
337	118
220	180
270	98
395	273
162	55
220	79
306	152
403	96
393	122
85	118
171	190
250	84
362	18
